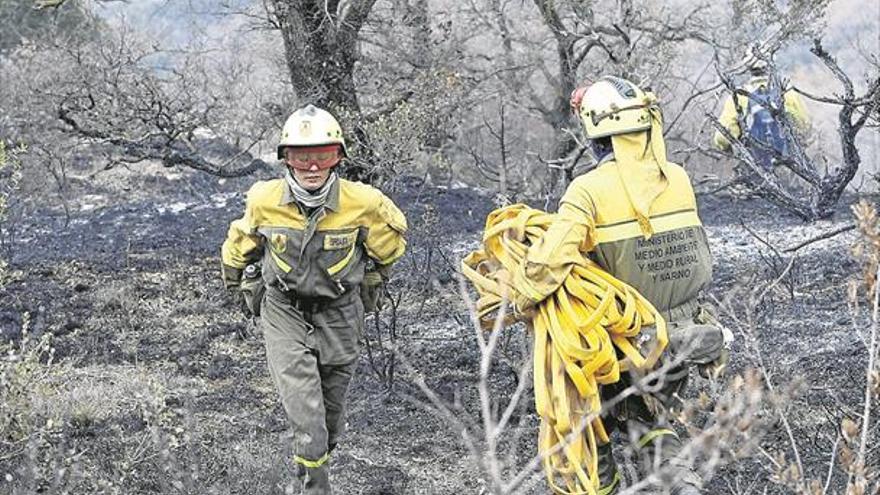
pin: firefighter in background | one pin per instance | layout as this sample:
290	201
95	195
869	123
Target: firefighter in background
310	251
757	115
636	216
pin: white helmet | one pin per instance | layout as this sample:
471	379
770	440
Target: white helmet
613	105
310	126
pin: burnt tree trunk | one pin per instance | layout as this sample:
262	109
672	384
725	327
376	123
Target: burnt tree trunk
834	184
321	49
558	113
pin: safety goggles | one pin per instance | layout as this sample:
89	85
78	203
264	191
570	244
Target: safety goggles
322	157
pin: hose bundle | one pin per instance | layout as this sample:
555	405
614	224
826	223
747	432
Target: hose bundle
585	334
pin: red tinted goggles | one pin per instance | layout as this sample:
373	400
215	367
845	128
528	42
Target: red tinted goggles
319	156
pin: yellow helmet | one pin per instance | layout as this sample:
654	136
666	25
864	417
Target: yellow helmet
310	126
613	105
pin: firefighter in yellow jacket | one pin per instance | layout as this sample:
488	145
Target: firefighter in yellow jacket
636	216
751	110
309	244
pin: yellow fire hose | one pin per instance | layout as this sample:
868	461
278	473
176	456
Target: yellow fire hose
579	331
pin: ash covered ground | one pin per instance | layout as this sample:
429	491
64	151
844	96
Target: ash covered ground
159	392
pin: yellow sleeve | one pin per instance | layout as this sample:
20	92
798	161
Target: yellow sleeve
794	107
243	245
729	121
385	242
549	261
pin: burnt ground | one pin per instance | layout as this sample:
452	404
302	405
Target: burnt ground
158	385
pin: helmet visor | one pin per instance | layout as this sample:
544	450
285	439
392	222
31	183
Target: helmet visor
305	158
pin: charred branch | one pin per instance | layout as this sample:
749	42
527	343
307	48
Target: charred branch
170	152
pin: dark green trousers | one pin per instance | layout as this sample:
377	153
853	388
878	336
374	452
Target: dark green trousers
647	420
312	352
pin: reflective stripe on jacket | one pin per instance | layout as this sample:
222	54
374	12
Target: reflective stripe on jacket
595	215
794	108
322	255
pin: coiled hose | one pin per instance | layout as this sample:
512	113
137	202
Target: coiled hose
585	334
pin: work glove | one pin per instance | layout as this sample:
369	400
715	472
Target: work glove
715	370
523	307
372	290
252	289
231	276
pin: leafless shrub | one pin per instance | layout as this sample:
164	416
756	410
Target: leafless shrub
750	309
406	297
858	455
124	96
725	424
495	157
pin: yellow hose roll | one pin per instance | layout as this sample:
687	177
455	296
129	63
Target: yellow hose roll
579	332
540	375
560	397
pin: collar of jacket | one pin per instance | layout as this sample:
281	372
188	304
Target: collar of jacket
332	202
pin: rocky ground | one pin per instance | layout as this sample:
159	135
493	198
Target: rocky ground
158	385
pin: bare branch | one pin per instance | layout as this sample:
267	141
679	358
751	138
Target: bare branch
821	237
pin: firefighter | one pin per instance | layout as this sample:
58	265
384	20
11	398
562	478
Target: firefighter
761	124
309	252
636	216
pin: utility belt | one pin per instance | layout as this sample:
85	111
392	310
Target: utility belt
311	304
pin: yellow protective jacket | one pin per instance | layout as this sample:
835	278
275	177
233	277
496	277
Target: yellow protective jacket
636	218
794	107
319	256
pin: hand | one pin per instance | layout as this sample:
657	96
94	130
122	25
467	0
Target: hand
371	291
252	290
715	370
244	330
524	306
231	276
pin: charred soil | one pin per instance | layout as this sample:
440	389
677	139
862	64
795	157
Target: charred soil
161	385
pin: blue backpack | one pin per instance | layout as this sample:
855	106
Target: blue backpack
762	125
